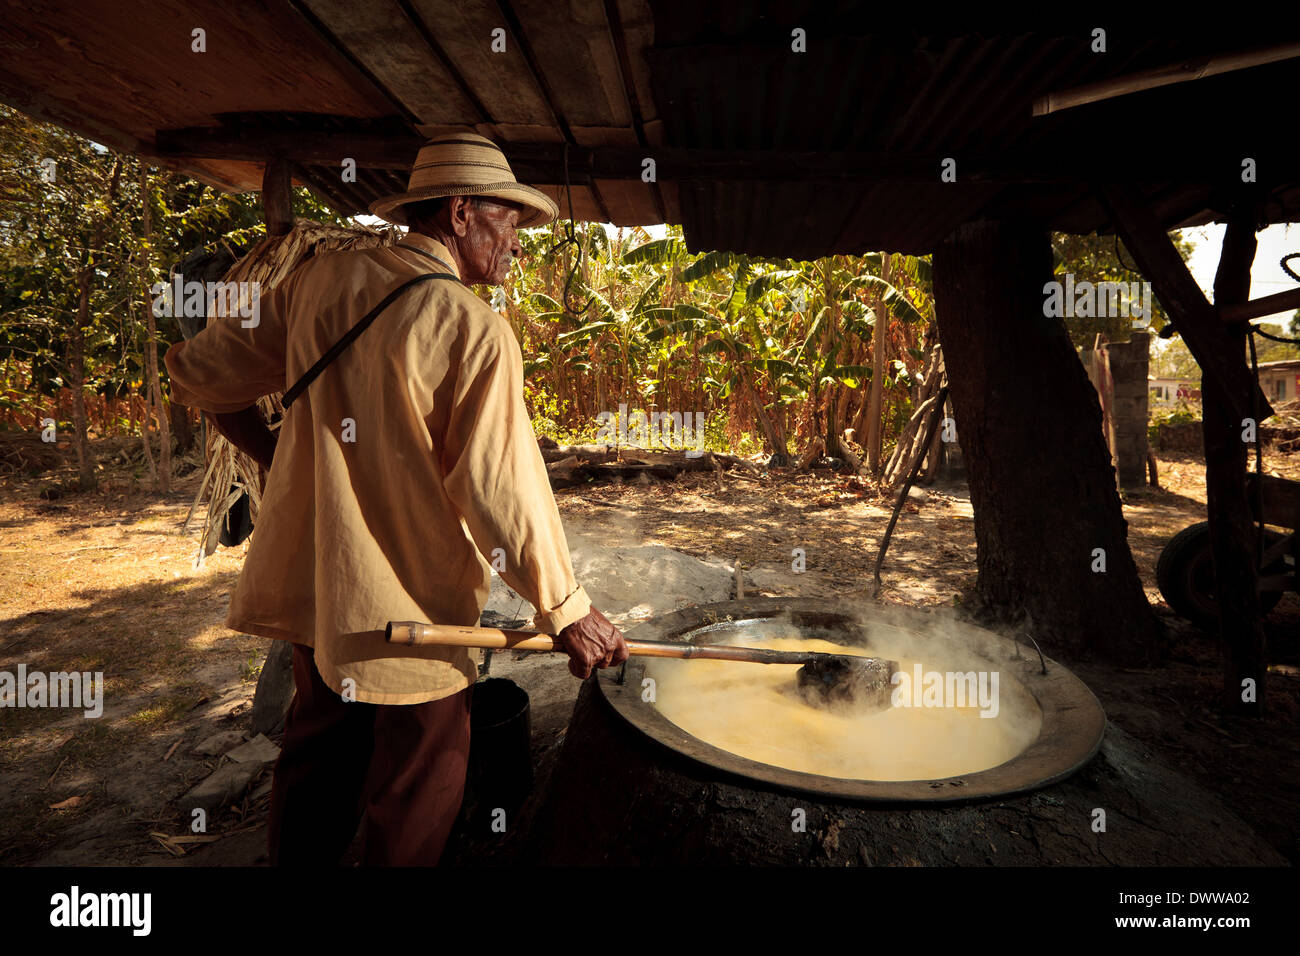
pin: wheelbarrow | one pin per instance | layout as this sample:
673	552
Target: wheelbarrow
1185	571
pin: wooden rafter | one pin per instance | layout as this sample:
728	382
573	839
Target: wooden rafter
385	147
344	55
618	39
1182	72
1194	316
548	95
484	115
1267	305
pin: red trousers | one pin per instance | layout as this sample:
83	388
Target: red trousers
400	768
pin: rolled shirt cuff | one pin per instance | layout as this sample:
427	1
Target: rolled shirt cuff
204	398
181	395
573	608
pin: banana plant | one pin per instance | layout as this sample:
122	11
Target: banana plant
745	337
787	345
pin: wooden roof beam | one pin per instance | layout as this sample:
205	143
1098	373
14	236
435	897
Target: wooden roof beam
1196	319
1255	308
256	143
1167	75
339	196
340	50
618	38
329	195
539	78
544	162
422	28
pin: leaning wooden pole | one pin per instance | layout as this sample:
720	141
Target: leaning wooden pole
931	429
1230	399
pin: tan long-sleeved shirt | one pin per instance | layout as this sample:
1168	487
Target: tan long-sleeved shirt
404	463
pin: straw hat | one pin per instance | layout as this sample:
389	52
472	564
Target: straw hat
465	164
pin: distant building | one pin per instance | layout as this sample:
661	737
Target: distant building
1280	381
1171	391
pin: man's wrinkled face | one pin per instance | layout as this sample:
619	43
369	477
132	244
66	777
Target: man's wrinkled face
490	244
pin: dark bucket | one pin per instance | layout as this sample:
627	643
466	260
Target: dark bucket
500	749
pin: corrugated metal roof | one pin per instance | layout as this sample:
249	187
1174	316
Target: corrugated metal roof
617	80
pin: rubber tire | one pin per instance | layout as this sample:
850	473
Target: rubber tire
1185	576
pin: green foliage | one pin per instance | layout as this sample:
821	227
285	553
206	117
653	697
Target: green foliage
1178	415
760	346
1095	259
1266	350
1173	359
623	318
86	229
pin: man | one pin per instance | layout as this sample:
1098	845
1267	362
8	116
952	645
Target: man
407	460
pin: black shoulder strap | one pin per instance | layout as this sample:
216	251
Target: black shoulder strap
428	255
350	336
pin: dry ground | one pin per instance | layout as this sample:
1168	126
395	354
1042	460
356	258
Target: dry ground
103	581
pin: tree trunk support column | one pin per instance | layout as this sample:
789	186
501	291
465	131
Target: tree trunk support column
1052	540
1230	395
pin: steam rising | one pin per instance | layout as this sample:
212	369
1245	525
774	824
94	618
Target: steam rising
755	710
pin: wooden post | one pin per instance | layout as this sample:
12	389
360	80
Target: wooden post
1232	530
1129	363
277	197
1229	396
274	691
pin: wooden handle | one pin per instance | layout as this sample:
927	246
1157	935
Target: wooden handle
449	635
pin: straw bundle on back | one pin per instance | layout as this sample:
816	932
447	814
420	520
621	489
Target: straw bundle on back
230	473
